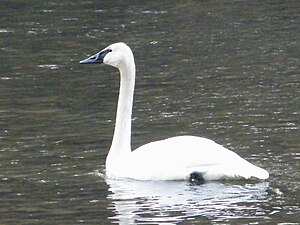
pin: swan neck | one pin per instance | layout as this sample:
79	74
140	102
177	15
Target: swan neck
121	143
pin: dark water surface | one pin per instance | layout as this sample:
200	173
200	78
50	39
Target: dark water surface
226	70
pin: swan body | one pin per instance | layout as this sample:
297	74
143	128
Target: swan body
174	158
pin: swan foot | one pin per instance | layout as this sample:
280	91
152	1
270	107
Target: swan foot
196	178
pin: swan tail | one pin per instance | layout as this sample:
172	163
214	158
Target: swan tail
225	172
260	173
252	171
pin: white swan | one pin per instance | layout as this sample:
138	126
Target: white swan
177	158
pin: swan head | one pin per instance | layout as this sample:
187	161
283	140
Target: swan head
116	55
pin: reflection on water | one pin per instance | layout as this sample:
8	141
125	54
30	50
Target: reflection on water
144	202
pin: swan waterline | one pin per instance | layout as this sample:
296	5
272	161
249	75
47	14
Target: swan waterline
176	158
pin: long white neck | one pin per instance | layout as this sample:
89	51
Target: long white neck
121	143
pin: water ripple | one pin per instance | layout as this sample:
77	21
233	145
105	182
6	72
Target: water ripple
171	202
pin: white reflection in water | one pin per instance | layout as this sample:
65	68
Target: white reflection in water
171	202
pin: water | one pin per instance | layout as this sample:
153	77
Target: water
225	70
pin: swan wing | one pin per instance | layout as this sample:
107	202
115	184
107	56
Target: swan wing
176	158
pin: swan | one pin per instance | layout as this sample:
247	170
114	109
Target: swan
188	158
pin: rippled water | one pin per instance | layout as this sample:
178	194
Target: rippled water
225	70
173	202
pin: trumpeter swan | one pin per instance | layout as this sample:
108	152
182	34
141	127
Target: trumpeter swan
176	158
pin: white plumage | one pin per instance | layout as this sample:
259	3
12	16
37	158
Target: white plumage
170	159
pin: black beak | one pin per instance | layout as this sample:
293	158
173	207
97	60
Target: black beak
97	58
